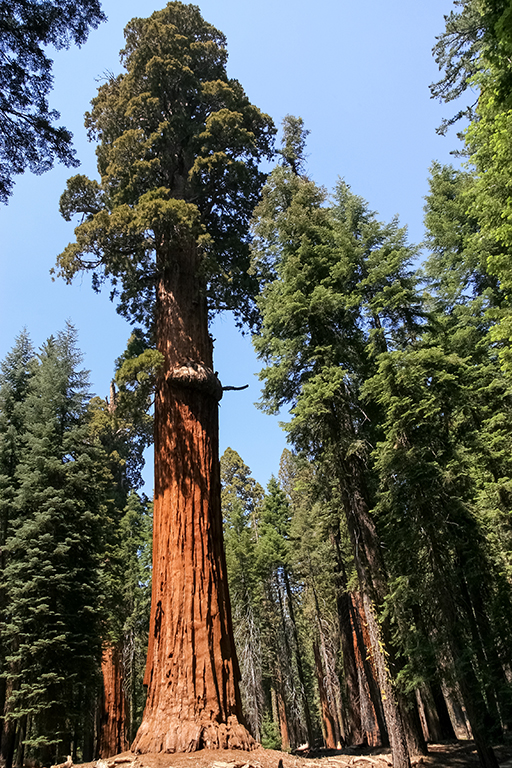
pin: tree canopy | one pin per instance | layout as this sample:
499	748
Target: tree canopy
178	158
28	134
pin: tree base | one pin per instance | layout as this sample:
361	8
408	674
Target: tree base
192	735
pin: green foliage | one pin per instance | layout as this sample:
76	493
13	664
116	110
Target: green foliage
241	502
294	143
178	159
270	736
16	372
476	51
338	290
51	580
476	39
29	137
76	545
456	266
129	589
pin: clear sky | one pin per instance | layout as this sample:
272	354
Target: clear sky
357	73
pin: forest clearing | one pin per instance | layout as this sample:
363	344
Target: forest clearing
358	610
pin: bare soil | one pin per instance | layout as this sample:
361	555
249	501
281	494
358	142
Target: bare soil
457	754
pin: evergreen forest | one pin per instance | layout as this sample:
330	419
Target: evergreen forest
363	599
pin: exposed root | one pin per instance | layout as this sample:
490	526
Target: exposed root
192	736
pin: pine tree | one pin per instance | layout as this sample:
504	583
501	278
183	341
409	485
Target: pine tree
51	581
442	466
16	372
339	290
241	506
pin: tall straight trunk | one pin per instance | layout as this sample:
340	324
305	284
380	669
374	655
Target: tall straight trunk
21	732
373	722
475	601
435	712
298	657
445	723
192	673
331	729
357	675
458	716
328	681
294	716
372	580
8	729
113	736
469	684
282	715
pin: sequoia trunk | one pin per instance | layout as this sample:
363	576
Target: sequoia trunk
192	673
113	736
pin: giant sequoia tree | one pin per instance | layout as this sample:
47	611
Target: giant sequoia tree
179	146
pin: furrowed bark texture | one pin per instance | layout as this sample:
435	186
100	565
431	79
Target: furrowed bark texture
372	580
113	737
372	712
192	674
331	730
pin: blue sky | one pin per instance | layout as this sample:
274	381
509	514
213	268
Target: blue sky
358	74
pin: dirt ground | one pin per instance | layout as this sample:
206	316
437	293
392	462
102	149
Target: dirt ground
453	755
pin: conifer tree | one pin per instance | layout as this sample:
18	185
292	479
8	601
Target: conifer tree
51	580
442	468
339	290
274	564
241	507
475	50
178	158
16	371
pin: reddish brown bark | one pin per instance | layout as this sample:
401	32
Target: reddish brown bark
372	717
113	733
283	718
330	725
192	673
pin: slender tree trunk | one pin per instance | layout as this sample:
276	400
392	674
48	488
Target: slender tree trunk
372	581
298	656
445	723
282	715
113	736
468	682
284	655
499	707
192	672
8	731
354	652
330	726
21	732
325	660
437	719
90	738
373	721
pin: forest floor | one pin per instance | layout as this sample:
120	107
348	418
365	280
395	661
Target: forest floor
448	755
